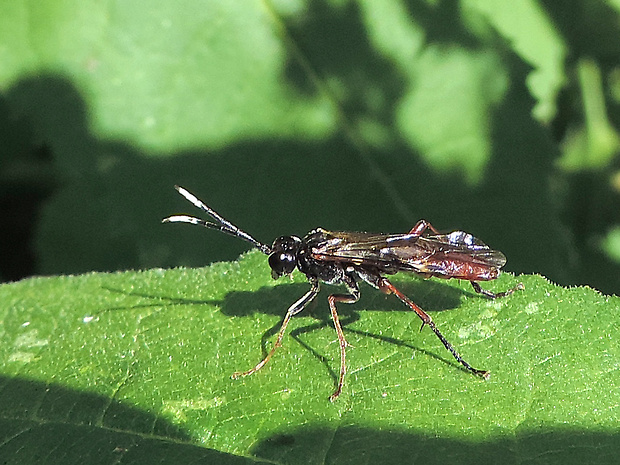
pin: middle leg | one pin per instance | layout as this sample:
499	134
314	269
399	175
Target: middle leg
352	297
292	311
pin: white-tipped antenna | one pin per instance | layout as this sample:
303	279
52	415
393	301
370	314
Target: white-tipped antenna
222	224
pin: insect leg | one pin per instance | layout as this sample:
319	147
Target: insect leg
347	299
292	311
422	226
492	295
386	286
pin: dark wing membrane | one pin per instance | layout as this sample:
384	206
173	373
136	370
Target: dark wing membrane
406	251
363	248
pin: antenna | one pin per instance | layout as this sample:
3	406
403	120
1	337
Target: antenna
222	224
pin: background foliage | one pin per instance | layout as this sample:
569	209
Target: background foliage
497	118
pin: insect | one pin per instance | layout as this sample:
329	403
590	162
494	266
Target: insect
348	258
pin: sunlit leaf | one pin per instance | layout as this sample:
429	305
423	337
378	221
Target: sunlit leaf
106	366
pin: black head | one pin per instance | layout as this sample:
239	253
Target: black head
283	257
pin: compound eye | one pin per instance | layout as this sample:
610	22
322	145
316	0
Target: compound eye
281	263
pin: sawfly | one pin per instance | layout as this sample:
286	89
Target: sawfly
348	258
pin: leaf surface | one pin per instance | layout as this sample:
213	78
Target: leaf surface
109	365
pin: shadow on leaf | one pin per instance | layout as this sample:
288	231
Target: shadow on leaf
355	444
48	423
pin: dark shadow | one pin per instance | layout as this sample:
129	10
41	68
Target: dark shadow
48	423
328	361
346	55
157	300
431	295
587	26
67	426
355	444
26	181
443	23
592	210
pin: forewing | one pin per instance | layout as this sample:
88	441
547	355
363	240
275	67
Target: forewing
406	251
395	251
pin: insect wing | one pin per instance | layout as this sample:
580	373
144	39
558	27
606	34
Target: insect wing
381	250
407	252
467	248
458	255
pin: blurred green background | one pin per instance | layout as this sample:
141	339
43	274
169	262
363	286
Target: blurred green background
498	118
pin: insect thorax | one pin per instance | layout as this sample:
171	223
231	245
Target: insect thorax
327	271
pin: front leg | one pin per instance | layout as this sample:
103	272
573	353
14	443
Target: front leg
292	311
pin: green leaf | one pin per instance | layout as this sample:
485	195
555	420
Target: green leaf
135	367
